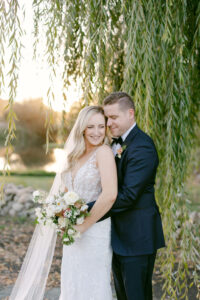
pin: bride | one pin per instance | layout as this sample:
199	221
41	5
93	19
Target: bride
90	171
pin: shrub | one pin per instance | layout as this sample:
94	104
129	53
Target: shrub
31	115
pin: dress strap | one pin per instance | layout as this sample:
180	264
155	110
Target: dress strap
94	153
93	159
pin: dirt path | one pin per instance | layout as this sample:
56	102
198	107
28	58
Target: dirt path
15	237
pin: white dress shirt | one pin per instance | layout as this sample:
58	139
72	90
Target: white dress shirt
115	146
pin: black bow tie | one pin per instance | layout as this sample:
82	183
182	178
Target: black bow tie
118	140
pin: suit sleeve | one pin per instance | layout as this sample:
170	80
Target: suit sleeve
107	215
140	170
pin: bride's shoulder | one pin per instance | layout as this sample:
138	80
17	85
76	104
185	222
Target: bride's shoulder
105	159
104	150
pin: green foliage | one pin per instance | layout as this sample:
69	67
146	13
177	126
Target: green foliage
149	49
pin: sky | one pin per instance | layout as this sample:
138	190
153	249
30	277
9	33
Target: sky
34	75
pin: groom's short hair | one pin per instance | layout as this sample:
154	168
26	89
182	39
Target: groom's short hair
123	99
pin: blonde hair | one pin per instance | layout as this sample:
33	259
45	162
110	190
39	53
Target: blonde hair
78	135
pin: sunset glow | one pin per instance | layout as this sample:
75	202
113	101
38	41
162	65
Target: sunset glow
34	75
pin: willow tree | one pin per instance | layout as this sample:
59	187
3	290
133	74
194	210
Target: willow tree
149	49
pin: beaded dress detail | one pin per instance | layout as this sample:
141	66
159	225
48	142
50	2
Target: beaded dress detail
86	264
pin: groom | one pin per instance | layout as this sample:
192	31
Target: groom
136	223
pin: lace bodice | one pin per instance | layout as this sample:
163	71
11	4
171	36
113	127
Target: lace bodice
87	184
87	181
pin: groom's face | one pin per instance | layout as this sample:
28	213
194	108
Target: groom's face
119	119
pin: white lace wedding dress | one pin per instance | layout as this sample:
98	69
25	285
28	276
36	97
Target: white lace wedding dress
86	264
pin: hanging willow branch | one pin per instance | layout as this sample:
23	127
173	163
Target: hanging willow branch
11	33
150	49
49	13
2	43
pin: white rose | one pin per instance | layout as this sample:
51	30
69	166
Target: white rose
84	207
56	208
61	222
39	196
49	212
36	194
42	198
38	212
71	198
80	220
66	239
70	231
50	200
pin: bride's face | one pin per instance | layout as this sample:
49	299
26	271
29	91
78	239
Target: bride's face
95	130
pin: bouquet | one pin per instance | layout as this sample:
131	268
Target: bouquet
61	211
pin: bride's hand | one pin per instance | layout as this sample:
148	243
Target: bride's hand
80	228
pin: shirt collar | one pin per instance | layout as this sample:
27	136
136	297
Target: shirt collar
124	136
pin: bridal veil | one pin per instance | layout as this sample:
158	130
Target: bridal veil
32	278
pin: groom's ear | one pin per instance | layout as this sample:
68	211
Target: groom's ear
131	114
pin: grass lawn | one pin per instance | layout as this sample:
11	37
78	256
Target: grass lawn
37	182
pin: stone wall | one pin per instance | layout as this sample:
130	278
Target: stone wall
17	201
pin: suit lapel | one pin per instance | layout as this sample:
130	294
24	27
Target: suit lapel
131	135
128	140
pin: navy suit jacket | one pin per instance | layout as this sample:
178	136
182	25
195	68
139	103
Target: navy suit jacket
136	222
